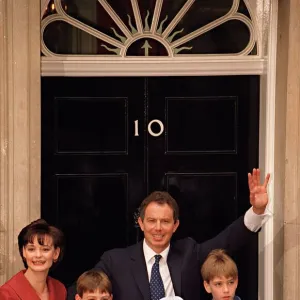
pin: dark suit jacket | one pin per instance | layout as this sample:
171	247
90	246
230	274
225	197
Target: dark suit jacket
128	273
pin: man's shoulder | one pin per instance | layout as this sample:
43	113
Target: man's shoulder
184	247
184	243
123	251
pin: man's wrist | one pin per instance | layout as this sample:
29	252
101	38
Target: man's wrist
254	221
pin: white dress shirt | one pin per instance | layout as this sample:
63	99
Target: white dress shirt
163	267
251	220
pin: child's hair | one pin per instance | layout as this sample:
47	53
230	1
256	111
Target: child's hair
92	281
218	264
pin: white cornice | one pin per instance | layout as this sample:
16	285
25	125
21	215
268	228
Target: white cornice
89	66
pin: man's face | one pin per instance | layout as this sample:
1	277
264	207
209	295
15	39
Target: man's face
158	226
222	288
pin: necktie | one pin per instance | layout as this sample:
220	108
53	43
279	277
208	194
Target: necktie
157	289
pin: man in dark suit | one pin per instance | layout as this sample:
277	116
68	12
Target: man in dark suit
157	268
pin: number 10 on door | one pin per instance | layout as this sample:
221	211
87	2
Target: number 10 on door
160	124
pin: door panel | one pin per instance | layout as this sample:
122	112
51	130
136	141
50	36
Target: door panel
90	164
188	115
209	145
99	159
104	133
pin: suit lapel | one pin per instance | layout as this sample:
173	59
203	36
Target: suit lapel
139	270
174	264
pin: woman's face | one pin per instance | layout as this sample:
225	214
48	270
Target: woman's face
39	258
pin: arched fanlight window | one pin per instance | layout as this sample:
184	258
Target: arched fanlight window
131	28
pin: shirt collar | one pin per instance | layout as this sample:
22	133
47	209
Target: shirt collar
149	253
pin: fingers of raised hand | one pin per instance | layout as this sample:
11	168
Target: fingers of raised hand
250	181
256	176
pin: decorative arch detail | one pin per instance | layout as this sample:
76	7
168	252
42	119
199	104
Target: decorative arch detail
161	35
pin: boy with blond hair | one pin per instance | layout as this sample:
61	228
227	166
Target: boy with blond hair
93	285
220	275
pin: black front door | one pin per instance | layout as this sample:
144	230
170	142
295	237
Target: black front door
108	142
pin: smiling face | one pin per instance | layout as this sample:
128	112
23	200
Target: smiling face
158	226
39	258
222	288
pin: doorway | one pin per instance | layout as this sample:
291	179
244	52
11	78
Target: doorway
108	142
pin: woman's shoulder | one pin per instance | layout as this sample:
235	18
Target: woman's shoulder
9	289
5	287
13	280
7	293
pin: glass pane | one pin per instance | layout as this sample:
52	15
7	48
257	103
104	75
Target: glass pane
93	14
169	10
243	9
200	13
147	10
124	10
147	47
254	50
230	37
50	10
63	38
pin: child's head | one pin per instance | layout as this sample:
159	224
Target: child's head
93	285
220	275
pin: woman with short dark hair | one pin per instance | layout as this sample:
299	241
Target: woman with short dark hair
41	247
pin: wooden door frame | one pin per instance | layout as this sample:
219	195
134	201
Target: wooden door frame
265	66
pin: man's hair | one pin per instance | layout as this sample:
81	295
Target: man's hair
91	281
40	229
160	198
218	264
